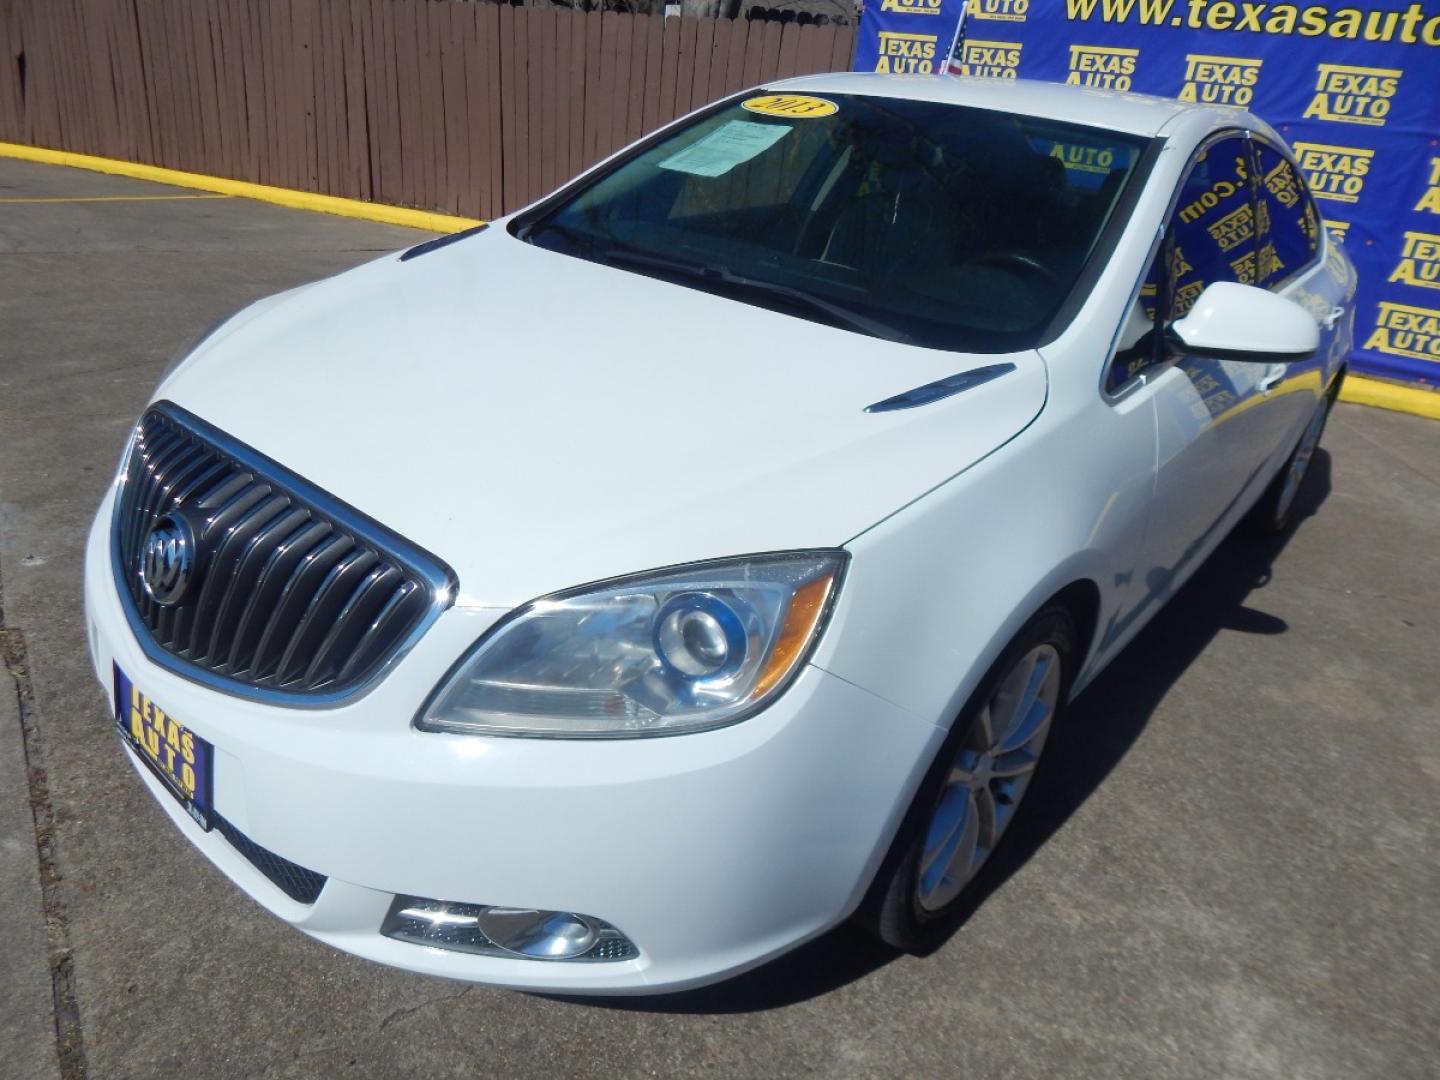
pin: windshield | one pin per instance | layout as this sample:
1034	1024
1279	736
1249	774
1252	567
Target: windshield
922	222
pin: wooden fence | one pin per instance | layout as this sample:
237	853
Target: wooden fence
469	108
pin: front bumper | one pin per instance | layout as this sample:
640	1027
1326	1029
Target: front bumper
712	852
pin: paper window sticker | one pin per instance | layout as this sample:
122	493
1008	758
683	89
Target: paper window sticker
731	144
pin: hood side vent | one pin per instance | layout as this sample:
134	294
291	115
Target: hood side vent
941	388
440	242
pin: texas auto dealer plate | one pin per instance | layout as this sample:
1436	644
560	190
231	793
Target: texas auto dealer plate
181	759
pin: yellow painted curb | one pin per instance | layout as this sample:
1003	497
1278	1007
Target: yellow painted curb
1384	395
295	200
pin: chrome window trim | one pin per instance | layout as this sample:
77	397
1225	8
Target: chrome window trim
439	579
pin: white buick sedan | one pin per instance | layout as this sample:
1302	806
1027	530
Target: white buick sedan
610	599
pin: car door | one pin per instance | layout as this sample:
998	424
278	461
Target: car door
1183	398
1291	262
1220	426
1218	421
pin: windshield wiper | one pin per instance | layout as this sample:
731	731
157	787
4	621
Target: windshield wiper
575	237
835	314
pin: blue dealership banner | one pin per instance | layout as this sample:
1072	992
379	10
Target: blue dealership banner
907	37
1354	89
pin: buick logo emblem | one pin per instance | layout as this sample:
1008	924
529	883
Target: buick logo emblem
167	560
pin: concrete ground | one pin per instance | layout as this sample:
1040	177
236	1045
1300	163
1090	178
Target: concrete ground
1238	874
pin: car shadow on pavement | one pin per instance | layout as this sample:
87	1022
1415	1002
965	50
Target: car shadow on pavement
1103	724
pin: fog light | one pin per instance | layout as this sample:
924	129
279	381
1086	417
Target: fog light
500	931
540	935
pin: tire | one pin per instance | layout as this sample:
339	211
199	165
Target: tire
966	803
1272	514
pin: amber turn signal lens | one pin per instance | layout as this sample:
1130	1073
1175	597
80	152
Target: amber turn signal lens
806	606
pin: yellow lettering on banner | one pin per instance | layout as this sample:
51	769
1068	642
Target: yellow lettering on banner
1312	22
1220	80
1406	330
1282	21
1353	95
909	54
1334	172
912	7
1094	65
187	748
1419	261
1430	201
1346	24
1411	26
187	780
137	724
999	10
991	59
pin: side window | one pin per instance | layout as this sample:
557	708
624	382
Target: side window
1135	347
1210	238
1212	235
1289	227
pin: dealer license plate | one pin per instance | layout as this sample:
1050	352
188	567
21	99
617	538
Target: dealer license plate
181	759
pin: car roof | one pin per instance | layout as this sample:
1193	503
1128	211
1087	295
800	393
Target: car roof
1135	114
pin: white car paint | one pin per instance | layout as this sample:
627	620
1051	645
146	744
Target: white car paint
798	450
491	401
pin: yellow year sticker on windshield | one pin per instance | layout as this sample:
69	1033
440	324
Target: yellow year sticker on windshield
791	106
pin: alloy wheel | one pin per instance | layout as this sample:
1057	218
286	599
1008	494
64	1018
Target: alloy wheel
988	777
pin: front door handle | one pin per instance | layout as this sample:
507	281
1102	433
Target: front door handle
1273	374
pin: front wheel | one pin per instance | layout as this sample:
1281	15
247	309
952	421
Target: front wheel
972	792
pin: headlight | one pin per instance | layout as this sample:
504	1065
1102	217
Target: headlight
658	654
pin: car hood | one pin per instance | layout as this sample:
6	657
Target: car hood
540	421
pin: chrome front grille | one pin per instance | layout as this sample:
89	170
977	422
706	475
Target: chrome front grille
296	597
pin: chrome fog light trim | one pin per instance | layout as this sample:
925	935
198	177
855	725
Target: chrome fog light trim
489	930
539	935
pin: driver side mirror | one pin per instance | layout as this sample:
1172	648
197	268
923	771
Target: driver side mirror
1231	321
